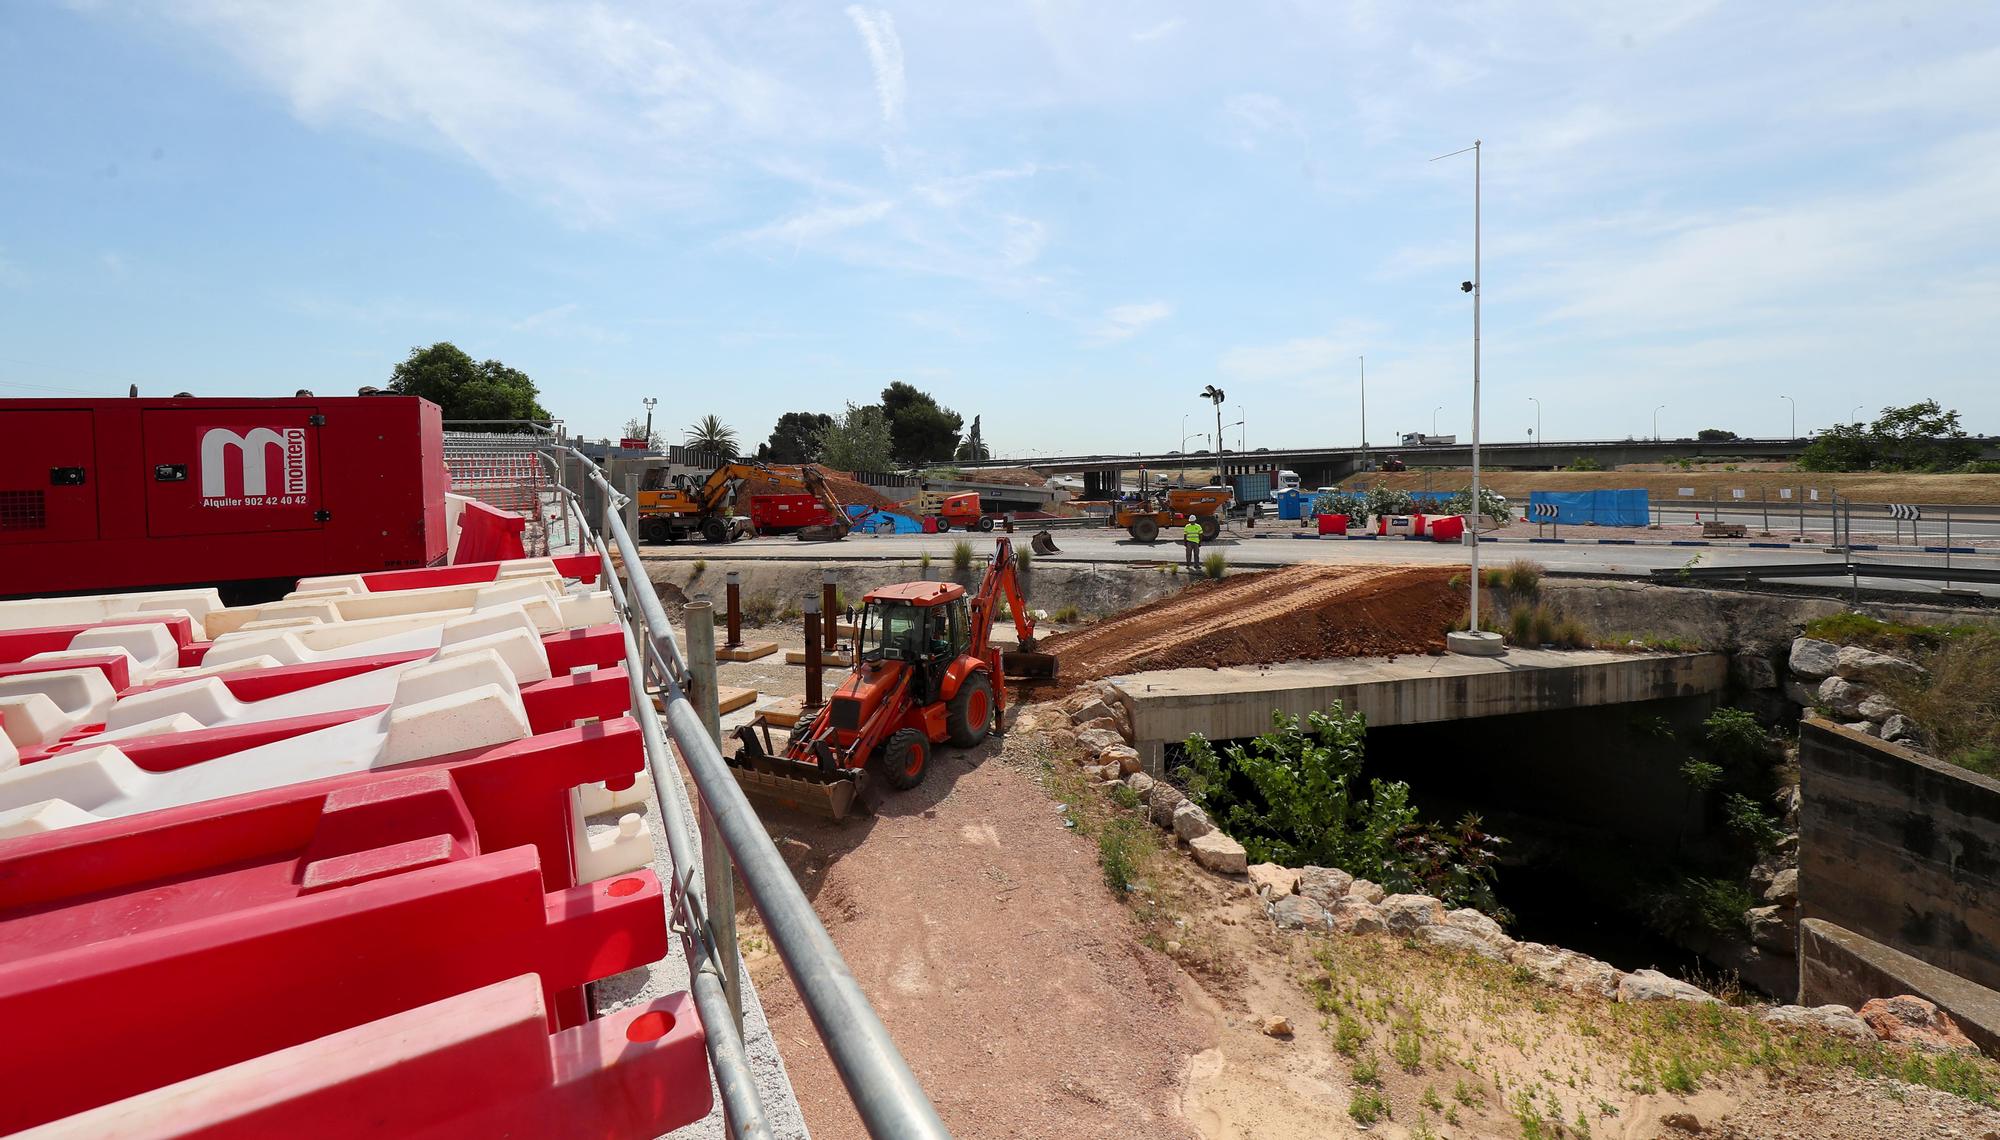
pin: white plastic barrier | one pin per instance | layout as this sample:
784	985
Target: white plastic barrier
367	638
464	702
29	613
37	708
360	607
329	584
208	703
609	851
148	649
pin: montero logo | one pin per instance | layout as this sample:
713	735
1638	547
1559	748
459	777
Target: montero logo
252	455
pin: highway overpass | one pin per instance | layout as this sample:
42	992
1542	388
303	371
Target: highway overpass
1319	466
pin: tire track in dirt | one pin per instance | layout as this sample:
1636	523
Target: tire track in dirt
1301	612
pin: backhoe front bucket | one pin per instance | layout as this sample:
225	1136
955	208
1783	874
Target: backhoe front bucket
791	785
1041	543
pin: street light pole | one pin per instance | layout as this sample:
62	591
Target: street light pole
1656	423
1474	641
1364	411
1242	437
1795	415
649	402
1434	418
1538	418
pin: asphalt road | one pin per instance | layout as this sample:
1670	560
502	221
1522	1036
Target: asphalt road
1105	545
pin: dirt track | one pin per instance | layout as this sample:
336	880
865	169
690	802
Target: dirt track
1295	614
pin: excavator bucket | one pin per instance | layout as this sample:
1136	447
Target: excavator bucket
792	785
1041	543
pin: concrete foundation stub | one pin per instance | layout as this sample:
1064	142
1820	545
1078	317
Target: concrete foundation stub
1475	643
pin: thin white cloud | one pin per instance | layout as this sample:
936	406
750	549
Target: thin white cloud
1123	322
1288	360
820	222
1159	31
114	263
885	55
1254	119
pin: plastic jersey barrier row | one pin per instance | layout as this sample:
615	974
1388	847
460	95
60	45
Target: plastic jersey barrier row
473	1066
291	645
215	970
23	643
93	609
552	704
576	567
441	708
334	607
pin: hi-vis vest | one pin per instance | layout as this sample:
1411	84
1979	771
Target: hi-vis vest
1192	531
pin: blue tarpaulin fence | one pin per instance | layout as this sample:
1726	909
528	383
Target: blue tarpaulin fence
1602	508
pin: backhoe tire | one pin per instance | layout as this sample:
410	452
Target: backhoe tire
944	525
653	530
968	716
1210	527
906	758
1144	529
715	530
985	522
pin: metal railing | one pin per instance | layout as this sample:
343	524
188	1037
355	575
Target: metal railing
884	1091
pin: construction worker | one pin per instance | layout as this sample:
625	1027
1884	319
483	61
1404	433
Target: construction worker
1191	543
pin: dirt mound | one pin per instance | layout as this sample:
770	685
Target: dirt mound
1300	613
845	487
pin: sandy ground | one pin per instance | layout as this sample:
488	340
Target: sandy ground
979	927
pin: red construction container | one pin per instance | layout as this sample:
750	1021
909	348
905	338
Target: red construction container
1333	524
1447	528
778	513
122	494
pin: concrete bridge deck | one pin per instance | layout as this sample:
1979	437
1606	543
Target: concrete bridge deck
1234	703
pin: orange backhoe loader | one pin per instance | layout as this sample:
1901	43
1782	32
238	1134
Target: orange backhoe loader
1154	511
671	509
927	674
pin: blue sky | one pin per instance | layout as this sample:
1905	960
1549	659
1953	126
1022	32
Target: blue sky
1065	217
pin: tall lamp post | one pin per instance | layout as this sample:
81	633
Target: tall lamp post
1538	418
1474	641
1242	437
1364	411
1434	418
1213	395
1656	423
1795	415
649	402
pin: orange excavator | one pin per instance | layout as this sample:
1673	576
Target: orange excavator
927	674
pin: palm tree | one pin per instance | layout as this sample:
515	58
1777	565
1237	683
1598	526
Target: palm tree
709	433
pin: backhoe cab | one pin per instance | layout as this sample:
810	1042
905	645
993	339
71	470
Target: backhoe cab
927	673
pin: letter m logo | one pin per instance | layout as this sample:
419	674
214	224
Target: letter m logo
251	455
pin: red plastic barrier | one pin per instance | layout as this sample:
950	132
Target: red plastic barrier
1333	524
20	644
1448	528
211	970
551	705
475	1065
116	667
582	567
489	534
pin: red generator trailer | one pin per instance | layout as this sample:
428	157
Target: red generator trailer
784	513
111	494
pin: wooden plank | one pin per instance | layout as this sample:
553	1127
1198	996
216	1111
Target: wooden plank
826	660
747	651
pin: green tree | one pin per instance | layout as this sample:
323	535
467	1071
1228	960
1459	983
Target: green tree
974	447
858	440
1920	437
920	430
796	438
1715	435
466	389
709	433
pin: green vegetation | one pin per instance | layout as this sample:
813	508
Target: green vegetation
1024	559
1540	624
759	609
1367	1106
1292	796
1584	463
1920	437
710	434
700	564
1354	506
857	440
974	447
796	438
1118	847
1956	706
465	389
924	562
1716	435
920	429
1065	614
1214	566
961	556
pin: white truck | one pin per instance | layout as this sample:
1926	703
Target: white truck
1419	439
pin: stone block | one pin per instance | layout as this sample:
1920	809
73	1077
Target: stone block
1219	853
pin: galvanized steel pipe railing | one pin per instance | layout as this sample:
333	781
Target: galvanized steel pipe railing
885	1092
